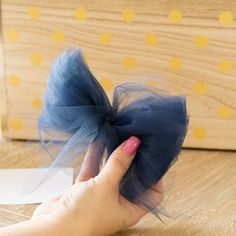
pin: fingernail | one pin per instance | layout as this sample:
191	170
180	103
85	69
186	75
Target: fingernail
131	145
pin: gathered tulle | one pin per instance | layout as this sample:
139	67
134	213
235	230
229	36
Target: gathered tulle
78	114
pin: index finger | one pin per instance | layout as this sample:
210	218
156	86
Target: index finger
91	163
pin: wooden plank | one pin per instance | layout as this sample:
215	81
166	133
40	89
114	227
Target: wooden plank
190	45
201	198
2	81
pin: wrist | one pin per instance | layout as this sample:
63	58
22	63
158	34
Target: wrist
48	226
65	225
44	226
54	225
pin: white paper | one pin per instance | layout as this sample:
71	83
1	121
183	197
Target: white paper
12	182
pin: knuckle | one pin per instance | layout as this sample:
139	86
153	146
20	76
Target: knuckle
91	183
121	163
158	198
161	197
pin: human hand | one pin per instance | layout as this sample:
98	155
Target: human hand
93	205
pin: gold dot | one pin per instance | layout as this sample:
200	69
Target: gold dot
200	88
58	36
201	41
225	66
226	18
105	38
106	83
129	62
36	58
81	13
224	112
175	63
14	80
34	12
16	124
37	104
128	15
151	39
12	35
175	16
199	133
152	82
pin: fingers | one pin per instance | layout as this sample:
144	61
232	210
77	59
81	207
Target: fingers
152	196
90	166
120	160
156	193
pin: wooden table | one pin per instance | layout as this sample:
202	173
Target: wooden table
200	196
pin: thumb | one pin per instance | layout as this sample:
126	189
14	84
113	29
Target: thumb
120	160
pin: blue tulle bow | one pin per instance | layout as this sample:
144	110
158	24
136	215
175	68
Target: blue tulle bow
77	113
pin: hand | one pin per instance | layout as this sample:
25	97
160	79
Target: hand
93	205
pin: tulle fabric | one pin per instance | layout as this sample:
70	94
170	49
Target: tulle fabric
77	114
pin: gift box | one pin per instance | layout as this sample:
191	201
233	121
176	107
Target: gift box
184	47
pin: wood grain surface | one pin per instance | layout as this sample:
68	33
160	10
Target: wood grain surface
200	192
185	47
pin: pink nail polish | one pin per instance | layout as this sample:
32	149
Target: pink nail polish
131	145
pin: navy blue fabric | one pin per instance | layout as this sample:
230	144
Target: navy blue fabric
77	113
